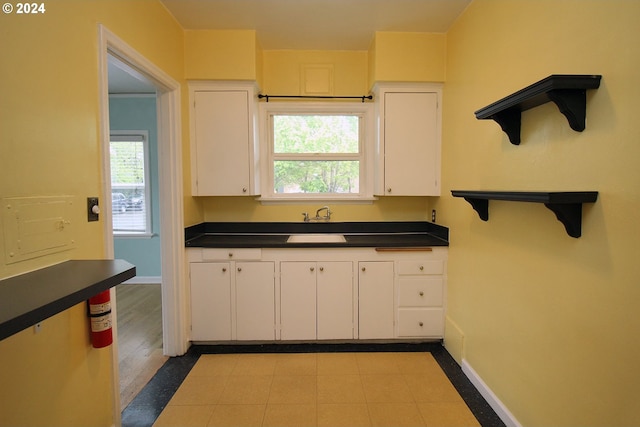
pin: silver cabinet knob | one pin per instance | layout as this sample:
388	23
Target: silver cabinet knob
224	269
230	254
244	189
364	269
421	293
321	268
421	267
389	190
239	269
311	269
421	324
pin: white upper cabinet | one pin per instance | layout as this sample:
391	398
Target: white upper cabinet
224	151
409	139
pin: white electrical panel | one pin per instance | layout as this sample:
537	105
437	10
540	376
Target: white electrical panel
37	226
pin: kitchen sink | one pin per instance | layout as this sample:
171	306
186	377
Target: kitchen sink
316	238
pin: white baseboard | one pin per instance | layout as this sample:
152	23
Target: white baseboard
493	401
144	280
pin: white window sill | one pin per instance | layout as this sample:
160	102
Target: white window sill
127	235
265	200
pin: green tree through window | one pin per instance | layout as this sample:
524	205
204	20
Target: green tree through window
316	154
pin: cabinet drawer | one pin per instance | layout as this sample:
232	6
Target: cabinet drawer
420	292
236	254
420	322
420	267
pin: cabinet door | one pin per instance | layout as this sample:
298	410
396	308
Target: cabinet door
334	291
222	139
210	301
255	301
375	304
298	300
411	144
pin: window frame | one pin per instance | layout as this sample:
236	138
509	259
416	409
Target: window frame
365	156
135	136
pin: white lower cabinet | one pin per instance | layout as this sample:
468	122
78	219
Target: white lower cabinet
281	294
210	301
255	300
316	300
420	291
375	299
231	300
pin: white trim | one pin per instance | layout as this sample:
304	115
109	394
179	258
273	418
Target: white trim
174	305
175	337
320	200
132	95
367	138
144	280
493	401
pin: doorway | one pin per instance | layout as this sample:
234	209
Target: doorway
173	295
135	214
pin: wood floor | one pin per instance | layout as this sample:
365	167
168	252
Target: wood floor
139	337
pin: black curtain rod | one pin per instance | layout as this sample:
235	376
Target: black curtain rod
363	97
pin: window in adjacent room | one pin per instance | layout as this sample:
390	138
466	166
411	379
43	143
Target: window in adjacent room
317	151
130	192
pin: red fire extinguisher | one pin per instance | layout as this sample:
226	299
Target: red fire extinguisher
100	316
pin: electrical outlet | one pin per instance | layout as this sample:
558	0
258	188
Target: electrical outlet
93	209
433	215
37	328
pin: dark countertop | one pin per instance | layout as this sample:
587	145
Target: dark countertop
357	234
32	297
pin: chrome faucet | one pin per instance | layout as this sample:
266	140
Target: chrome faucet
326	218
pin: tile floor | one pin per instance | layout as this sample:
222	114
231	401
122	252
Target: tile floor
317	389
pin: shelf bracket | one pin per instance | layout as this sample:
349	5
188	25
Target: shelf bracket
570	215
573	105
481	206
510	122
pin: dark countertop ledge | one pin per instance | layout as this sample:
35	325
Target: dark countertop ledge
32	297
357	234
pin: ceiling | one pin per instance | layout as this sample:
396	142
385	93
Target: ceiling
125	80
300	24
317	24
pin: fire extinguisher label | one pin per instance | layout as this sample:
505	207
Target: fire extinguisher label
104	307
102	323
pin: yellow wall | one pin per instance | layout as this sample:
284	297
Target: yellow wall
385	209
283	71
549	321
220	54
49	145
408	57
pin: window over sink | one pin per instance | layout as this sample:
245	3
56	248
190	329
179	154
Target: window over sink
317	151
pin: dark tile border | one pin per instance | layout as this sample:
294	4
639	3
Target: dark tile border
149	403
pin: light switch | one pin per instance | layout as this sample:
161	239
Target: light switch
93	209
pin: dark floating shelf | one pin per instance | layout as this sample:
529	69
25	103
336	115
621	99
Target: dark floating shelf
32	297
566	205
568	92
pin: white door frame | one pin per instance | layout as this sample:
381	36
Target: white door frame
174	334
